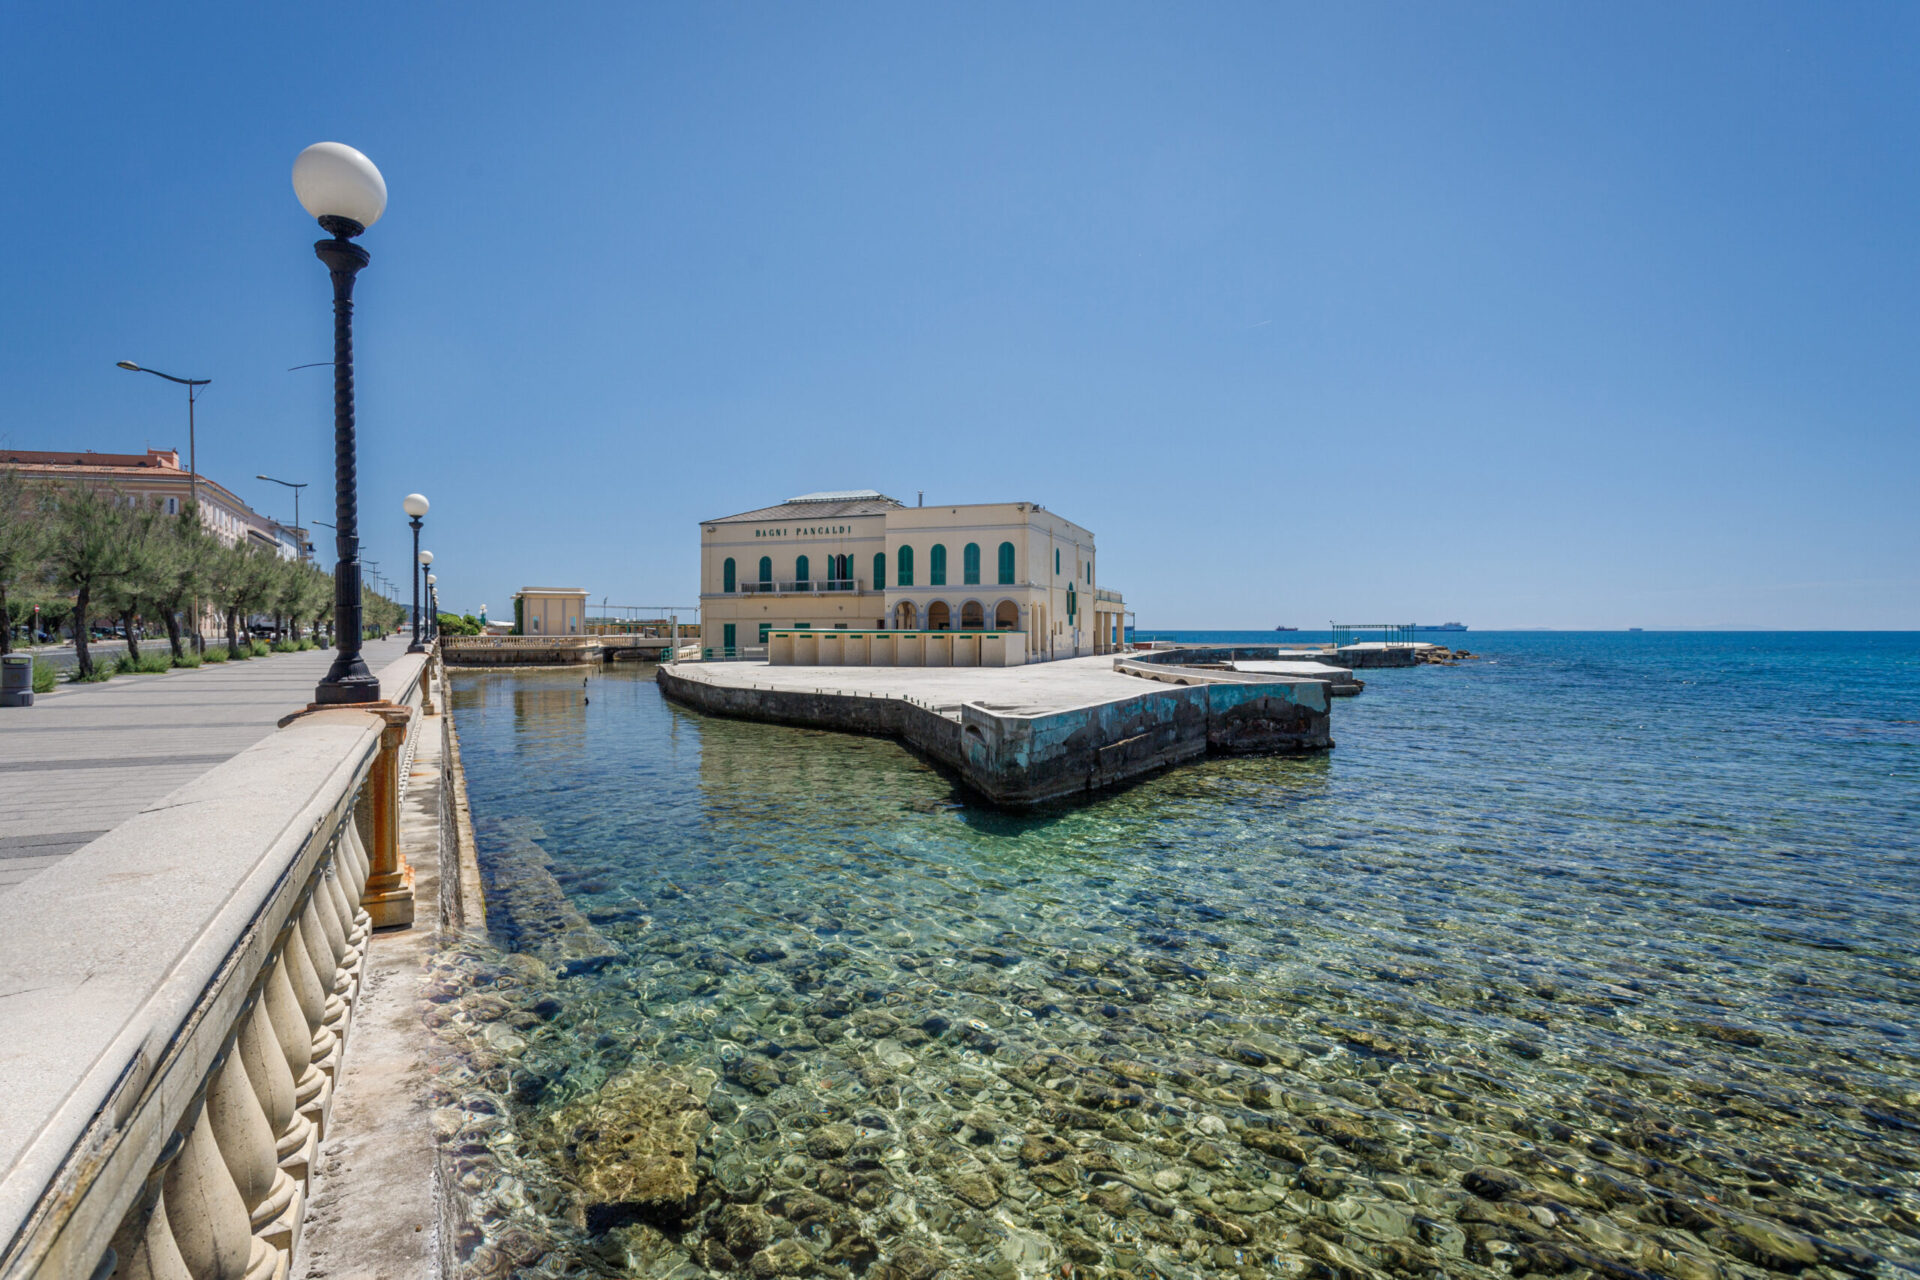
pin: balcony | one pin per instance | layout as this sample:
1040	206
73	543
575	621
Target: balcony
804	586
1105	596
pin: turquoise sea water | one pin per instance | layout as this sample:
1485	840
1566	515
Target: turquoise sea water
1595	955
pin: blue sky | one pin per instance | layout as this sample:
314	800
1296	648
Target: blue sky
1533	315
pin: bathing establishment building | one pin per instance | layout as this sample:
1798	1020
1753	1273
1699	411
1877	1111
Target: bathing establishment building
857	560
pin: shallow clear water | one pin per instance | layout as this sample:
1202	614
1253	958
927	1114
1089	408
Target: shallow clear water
1596	955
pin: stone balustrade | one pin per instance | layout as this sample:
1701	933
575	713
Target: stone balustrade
176	998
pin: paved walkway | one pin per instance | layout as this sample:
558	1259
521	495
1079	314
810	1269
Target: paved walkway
84	759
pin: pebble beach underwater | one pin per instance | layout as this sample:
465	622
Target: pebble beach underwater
1595	956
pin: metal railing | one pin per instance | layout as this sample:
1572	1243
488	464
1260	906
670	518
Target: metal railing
1394	635
797	586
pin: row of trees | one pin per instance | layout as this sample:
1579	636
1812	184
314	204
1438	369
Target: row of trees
83	555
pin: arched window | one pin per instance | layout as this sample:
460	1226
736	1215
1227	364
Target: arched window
1006	616
905	574
972	616
766	570
937	565
801	569
939	618
1006	563
727	576
970	565
879	571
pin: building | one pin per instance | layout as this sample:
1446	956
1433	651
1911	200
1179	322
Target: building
550	611
156	479
859	560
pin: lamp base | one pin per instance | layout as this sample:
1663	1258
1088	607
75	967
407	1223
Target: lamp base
353	689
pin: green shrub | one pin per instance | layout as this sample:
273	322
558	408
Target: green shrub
285	646
258	648
215	653
150	664
188	660
45	675
105	671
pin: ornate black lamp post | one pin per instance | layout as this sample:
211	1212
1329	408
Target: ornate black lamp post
433	601
343	189
422	560
415	506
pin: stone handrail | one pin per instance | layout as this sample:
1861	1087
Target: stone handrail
175	1000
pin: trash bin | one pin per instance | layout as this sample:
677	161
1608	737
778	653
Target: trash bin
16	680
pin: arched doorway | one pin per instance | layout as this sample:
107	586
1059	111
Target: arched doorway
905	616
939	617
1006	616
972	616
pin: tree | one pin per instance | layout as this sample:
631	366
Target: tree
23	546
88	551
239	583
130	595
182	551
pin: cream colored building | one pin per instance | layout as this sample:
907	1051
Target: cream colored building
550	611
858	560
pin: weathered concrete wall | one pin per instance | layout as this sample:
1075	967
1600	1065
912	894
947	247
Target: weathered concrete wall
1020	760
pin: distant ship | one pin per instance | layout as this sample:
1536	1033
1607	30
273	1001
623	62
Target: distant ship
1443	626
1286	628
1636	628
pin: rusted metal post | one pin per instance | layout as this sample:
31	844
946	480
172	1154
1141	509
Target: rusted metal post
388	896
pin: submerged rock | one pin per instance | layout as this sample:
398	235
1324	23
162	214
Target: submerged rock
630	1148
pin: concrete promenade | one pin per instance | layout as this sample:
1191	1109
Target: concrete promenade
1027	735
86	758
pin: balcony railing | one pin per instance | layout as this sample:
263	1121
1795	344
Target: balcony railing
799	586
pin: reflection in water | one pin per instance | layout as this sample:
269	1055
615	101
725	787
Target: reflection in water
1522	978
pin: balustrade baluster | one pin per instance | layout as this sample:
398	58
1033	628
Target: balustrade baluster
271	1075
290	1027
320	959
156	1256
312	996
246	1141
338	952
208	1219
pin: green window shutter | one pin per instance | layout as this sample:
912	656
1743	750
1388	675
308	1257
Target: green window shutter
764	628
726	632
801	569
1056	560
937	565
1070	602
879	571
970	565
766	568
905	574
726	576
1006	564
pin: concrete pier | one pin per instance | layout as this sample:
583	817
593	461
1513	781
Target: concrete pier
1023	736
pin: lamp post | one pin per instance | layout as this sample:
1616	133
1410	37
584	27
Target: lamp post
433	600
193	467
345	192
415	505
300	530
422	560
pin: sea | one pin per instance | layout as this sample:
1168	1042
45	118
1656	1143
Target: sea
1590	954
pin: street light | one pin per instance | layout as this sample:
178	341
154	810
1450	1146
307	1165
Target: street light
433	600
193	466
345	192
299	530
415	505
425	558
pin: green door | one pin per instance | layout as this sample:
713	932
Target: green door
726	635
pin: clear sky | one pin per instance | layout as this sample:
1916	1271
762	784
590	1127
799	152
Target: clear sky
1523	314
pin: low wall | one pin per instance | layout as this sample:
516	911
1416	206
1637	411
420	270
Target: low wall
833	647
176	999
1022	761
520	651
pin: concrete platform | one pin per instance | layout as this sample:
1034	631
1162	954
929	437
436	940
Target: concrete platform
1022	736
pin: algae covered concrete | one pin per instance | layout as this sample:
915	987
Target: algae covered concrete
1022	736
